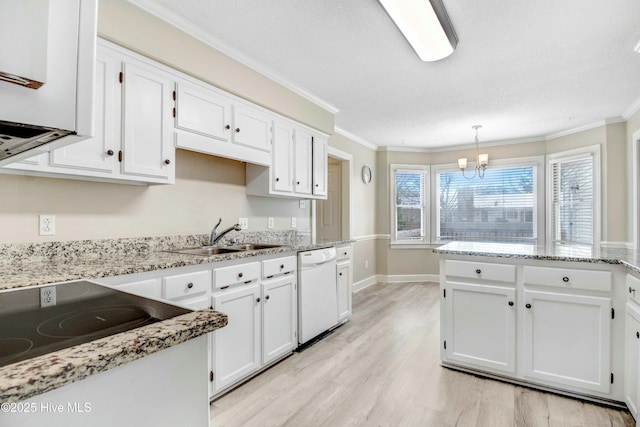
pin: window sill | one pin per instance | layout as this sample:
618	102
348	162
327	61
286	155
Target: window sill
421	245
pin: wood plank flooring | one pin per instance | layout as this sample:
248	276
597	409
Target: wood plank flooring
382	369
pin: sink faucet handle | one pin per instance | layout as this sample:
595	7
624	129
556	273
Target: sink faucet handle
237	227
218	224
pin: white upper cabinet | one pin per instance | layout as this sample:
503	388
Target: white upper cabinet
320	154
299	163
212	122
147	122
134	139
204	111
252	127
282	167
302	149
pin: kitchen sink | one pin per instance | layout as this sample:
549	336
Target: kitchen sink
218	250
253	246
206	251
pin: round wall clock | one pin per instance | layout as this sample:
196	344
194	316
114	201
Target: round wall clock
366	174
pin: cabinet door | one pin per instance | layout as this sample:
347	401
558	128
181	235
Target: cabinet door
203	111
252	127
481	322
147	122
302	162
344	291
100	152
567	339
282	168
320	166
632	359
237	346
279	318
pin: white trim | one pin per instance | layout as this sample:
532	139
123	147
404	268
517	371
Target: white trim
426	170
364	283
575	154
636	48
576	130
462	146
635	161
355	138
198	33
406	278
393	278
415	246
536	161
366	237
632	109
617	245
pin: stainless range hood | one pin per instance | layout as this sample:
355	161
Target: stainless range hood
60	110
16	138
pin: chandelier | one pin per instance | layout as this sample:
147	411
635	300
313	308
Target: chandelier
481	160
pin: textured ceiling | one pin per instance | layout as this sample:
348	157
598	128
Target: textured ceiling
522	69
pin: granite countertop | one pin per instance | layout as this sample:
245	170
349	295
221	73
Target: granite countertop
35	376
23	265
572	253
39	264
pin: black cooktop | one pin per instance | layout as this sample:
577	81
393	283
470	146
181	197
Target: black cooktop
83	312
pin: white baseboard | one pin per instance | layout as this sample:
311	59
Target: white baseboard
363	284
617	245
397	278
404	278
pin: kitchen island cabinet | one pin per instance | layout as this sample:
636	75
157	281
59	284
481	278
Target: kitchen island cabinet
546	323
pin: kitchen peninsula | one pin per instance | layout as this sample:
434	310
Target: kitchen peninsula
551	318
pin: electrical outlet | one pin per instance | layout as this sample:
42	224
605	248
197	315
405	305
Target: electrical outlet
293	222
244	223
366	264
47	225
270	222
47	296
303	204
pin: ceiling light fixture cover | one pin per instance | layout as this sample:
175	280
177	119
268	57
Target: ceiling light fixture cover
426	26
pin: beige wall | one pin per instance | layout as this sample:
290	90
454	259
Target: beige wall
206	188
125	24
612	139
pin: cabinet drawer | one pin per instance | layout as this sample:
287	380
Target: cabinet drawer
481	270
231	275
344	252
633	288
189	284
271	267
591	280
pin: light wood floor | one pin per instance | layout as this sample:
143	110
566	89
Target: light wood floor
382	369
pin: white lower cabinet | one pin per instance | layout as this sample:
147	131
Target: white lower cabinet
279	317
632	359
546	324
567	339
481	326
236	347
344	282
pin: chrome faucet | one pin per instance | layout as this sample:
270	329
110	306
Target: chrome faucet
215	236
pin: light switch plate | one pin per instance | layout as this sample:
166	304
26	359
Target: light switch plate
47	225
293	222
244	223
270	222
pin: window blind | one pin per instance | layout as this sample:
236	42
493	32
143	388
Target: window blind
572	183
501	207
410	205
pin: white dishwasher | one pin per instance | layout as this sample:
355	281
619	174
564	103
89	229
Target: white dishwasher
317	293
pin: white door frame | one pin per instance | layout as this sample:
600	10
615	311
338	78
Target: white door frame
635	166
347	166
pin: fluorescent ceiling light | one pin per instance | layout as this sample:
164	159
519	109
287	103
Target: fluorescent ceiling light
426	26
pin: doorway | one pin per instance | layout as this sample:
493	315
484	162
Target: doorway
331	218
329	212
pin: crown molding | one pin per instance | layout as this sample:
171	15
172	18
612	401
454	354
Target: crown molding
197	32
356	138
633	108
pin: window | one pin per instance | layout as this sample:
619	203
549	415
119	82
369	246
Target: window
573	194
410	213
501	207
